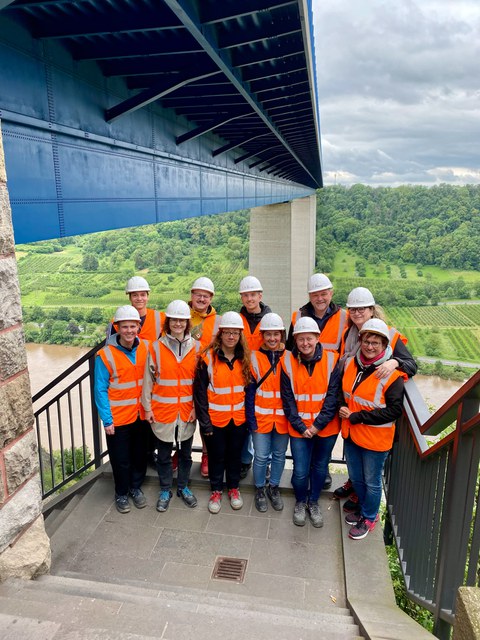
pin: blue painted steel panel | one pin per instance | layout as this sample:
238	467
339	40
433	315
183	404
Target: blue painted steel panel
102	216
35	221
177	181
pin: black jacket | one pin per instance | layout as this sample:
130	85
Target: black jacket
254	318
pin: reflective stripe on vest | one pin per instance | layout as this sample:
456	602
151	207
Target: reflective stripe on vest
225	392
268	399
331	335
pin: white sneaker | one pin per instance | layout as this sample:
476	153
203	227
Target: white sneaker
236	500
215	502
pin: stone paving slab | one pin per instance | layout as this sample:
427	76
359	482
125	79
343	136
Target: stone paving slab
15	628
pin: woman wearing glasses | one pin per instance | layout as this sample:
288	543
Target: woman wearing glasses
219	394
370	406
362	307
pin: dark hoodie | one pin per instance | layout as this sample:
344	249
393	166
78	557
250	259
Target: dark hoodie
254	318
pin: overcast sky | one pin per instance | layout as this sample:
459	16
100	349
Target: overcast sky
399	90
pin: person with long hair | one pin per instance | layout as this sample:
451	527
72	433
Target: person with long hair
222	375
168	402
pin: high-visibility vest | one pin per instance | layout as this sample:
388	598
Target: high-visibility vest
226	391
205	330
254	339
393	333
152	325
331	335
368	395
172	391
310	391
268	400
125	384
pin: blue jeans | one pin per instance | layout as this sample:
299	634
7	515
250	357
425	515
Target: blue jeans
268	445
247	450
365	470
310	465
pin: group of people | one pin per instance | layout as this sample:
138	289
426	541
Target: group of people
253	390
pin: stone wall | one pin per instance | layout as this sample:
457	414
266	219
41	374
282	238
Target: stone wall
24	545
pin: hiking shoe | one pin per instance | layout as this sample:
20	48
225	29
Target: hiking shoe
187	496
315	514
204	466
175	461
362	528
351	505
122	504
138	498
163	501
328	481
276	499
244	469
353	518
215	502
261	500
300	514
236	500
344	491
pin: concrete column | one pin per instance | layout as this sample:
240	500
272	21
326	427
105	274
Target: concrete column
24	545
282	252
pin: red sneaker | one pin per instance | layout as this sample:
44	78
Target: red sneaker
175	461
204	466
362	528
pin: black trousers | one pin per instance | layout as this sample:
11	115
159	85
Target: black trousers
127	450
164	463
224	448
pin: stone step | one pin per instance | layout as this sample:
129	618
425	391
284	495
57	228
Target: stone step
58	515
86	605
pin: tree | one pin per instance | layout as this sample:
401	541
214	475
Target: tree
89	262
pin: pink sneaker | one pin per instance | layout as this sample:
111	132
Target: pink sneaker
236	500
362	528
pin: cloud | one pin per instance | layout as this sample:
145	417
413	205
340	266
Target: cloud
398	90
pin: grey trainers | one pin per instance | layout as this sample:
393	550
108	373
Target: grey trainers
261	500
138	498
275	498
315	514
122	504
300	514
163	501
187	496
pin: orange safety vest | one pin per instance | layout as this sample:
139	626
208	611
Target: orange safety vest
255	339
310	391
152	325
206	330
125	384
393	333
368	395
332	333
268	401
226	391
172	391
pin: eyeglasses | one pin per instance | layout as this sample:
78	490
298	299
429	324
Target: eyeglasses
232	334
357	309
369	343
207	296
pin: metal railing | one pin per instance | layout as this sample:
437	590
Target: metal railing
432	492
70	440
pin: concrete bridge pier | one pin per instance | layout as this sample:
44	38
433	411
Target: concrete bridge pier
24	545
282	252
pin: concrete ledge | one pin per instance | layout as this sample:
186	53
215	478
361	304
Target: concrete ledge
467	617
369	590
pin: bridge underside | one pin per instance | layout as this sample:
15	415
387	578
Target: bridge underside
121	114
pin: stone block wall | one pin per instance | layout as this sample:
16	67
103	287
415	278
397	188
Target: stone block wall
24	545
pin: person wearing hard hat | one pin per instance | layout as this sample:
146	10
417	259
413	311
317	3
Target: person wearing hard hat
310	383
265	417
167	398
204	321
119	367
138	291
330	318
252	311
362	307
219	393
370	406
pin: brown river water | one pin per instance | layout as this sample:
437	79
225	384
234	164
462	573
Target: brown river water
46	362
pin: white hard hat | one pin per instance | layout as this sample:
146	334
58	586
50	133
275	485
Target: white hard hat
126	312
375	325
250	283
318	282
305	325
271	322
137	283
360	297
178	309
203	283
231	320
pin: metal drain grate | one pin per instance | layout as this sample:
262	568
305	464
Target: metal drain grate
232	569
